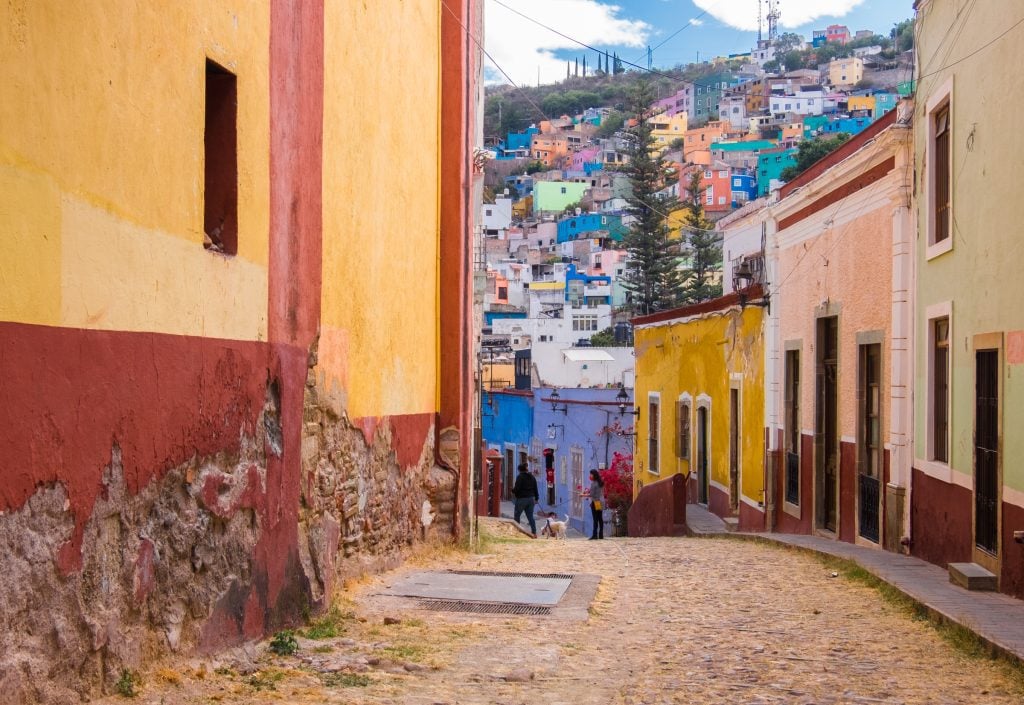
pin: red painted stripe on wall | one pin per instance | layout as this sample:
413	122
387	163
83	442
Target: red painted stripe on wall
69	395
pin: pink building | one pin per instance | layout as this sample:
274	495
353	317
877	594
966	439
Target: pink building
839	338
585	156
837	33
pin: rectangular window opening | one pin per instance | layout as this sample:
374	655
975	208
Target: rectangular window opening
942	146
940	390
220	198
654	420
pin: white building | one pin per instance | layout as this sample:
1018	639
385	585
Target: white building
801	102
497	217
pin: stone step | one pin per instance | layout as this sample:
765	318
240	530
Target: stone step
972	576
731	523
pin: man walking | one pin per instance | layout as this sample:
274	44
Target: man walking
526	494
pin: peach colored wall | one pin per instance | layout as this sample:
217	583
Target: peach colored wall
848	263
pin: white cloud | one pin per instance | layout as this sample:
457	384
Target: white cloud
520	46
742	14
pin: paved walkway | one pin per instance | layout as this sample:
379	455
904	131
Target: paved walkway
675	621
996	618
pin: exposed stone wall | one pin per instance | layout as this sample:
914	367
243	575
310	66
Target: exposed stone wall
157	564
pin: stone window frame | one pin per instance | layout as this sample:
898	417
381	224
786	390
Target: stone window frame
654	433
941	98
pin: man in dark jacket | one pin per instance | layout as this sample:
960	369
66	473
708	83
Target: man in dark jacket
526	494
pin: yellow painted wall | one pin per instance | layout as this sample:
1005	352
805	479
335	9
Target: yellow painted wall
101	166
861	102
698	357
378	351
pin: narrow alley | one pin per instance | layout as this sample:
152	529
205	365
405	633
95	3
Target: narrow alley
674	620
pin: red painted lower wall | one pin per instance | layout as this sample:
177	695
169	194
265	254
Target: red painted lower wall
70	395
847	491
1012	579
659	509
751	519
940	520
718	502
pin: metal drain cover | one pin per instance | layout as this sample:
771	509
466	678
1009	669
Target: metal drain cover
465	586
481	607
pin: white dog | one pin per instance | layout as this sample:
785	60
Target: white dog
554	528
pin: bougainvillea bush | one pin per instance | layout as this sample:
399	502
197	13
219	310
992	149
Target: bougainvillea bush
618	482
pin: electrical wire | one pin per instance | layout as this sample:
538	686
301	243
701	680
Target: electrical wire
653	72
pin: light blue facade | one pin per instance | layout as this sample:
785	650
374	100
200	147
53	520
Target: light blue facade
884	102
574	227
850	126
576	283
491	316
581	442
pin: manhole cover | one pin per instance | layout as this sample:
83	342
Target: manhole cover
467	586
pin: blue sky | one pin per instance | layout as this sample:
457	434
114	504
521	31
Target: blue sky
716	27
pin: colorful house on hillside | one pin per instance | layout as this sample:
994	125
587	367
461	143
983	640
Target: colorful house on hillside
555	196
838	400
968	485
770	165
550	149
210	413
843	73
700	397
884	102
741	155
858	103
591	225
667	128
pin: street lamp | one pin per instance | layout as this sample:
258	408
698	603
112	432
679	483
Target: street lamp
742	279
623	400
555	397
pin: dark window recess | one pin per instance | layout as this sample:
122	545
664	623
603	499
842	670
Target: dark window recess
220	201
940	390
792	424
942	160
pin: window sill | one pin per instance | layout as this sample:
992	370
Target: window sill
939	248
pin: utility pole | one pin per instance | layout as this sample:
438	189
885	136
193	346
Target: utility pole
650	58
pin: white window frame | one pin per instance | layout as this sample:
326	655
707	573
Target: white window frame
942	97
937	467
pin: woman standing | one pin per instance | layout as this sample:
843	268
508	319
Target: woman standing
597	504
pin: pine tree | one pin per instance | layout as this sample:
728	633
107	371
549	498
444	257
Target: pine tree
703	246
618	68
651	274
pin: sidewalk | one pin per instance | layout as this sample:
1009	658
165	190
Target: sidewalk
996	619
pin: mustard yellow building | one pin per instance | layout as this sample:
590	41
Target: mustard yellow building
700	393
206	379
843	73
666	129
861	102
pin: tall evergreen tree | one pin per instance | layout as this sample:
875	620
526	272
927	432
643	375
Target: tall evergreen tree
703	246
651	275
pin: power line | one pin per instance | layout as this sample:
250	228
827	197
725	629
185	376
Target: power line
652	71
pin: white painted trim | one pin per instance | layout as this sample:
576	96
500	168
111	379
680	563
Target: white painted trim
704	400
655	397
944	473
718	486
848	439
1013	496
942	95
686	398
791	509
751	503
942	309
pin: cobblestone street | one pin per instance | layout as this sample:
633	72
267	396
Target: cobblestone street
674	621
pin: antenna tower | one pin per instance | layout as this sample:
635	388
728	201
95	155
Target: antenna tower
759	22
773	20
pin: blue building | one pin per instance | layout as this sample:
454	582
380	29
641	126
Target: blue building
491	316
506	423
884	102
850	126
744	189
577	226
520	140
584	429
577	284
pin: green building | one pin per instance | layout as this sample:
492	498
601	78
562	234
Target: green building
770	165
555	196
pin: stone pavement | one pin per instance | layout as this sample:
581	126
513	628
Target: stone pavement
675	620
997	619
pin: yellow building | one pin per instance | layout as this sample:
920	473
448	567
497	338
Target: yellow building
203	384
700	392
861	102
845	72
666	130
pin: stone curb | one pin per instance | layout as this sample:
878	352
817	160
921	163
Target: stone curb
994	648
